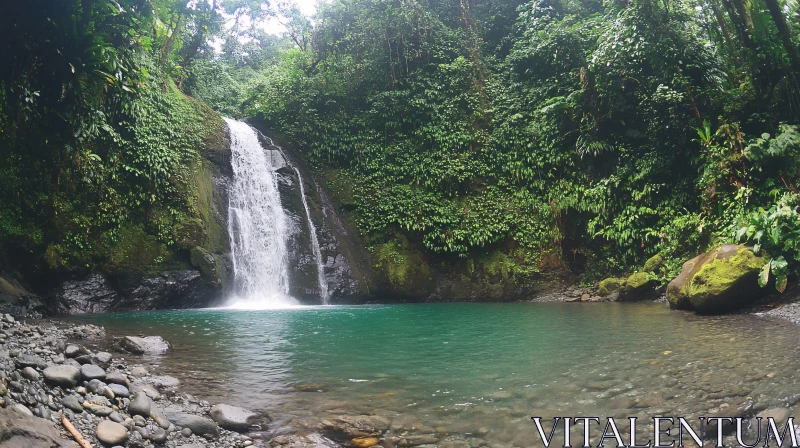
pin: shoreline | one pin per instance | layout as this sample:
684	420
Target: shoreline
109	399
28	347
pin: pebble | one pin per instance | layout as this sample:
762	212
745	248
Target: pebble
30	373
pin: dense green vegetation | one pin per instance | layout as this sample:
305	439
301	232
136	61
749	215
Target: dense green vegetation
97	144
605	132
598	133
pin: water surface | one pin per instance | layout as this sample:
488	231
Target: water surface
473	372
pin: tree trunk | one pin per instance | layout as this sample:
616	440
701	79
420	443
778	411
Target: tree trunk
785	33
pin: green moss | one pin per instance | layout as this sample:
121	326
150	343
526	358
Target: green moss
718	277
637	280
401	266
610	286
135	250
654	263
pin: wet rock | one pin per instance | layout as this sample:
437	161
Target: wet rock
423	439
779	415
345	428
718	281
63	375
297	441
111	433
151	345
165	382
232	417
92	372
94	294
199	425
139	405
365	442
139	372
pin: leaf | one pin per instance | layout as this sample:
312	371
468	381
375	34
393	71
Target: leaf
763	277
781	282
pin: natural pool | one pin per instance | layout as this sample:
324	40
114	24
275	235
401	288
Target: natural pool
474	372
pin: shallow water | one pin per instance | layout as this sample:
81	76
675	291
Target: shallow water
476	372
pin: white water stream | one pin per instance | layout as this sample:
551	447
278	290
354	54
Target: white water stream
257	225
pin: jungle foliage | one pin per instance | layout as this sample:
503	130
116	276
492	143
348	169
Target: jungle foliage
96	140
606	131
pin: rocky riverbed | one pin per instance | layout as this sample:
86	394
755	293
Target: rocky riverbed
108	399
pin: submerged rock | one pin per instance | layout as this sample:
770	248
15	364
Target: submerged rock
345	428
718	281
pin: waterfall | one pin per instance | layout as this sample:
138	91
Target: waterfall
323	284
256	225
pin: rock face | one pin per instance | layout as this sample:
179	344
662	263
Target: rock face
201	270
344	279
718	281
394	271
232	417
122	292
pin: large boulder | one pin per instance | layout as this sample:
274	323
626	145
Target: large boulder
232	417
19	430
717	281
199	425
150	345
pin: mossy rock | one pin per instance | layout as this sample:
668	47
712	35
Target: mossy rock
718	281
654	263
134	250
610	286
208	265
638	286
403	269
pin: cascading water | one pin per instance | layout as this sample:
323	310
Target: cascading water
256	225
323	284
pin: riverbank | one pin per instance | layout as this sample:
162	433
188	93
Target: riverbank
108	399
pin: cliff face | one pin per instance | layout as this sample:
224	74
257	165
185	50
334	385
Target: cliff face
397	271
139	271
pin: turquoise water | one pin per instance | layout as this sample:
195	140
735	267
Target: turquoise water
476	372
